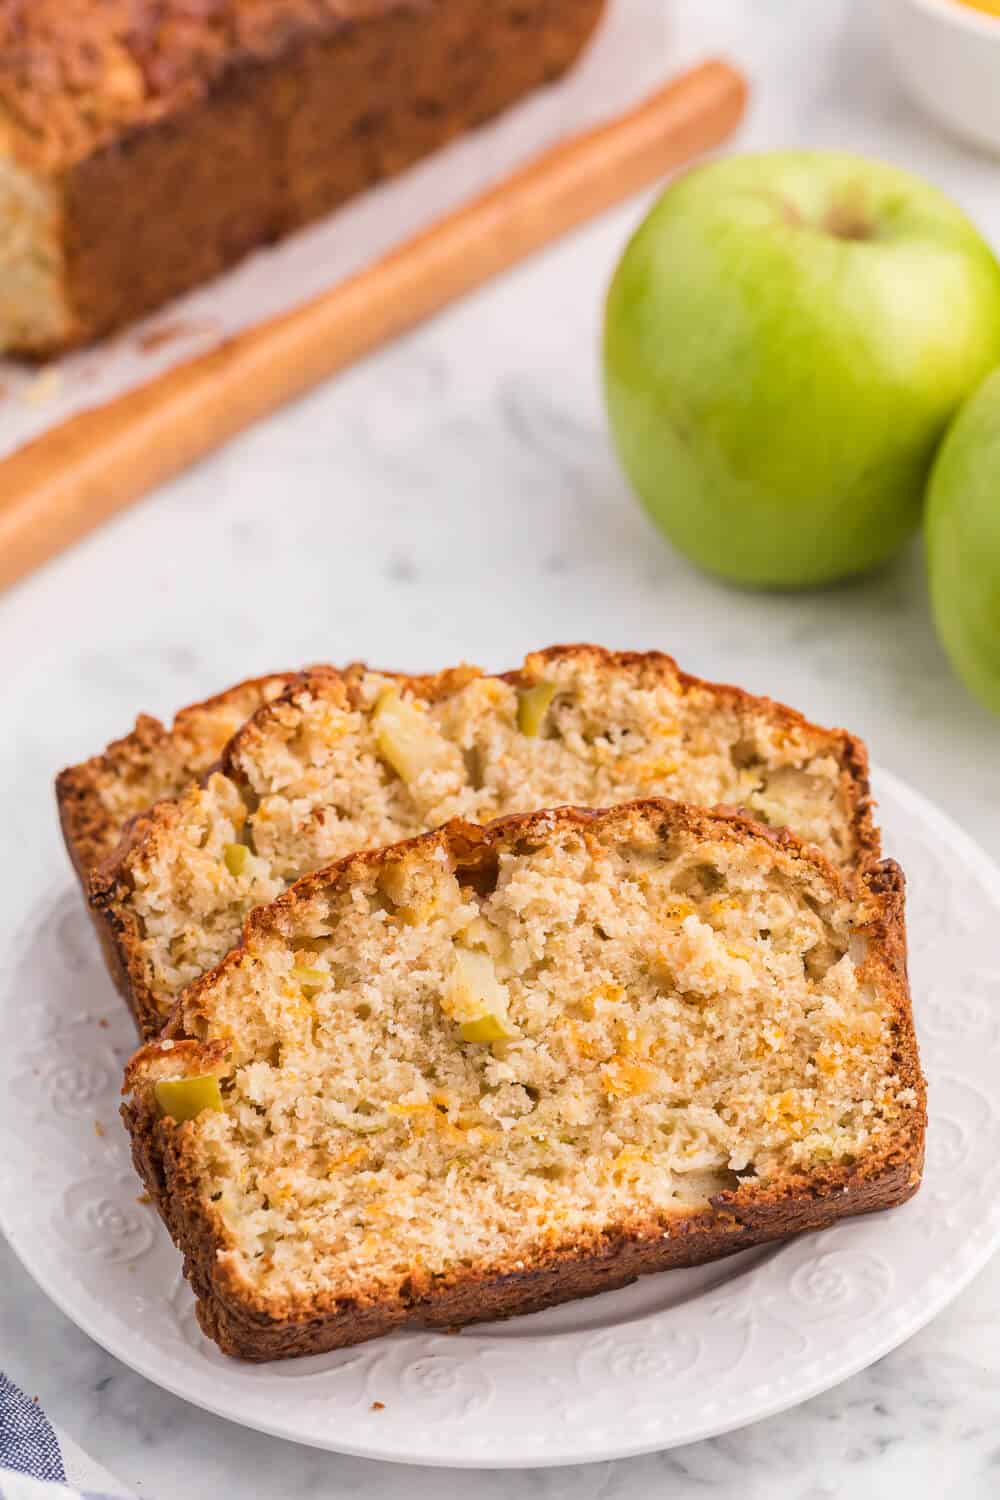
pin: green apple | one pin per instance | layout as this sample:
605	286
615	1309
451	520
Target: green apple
787	337
963	542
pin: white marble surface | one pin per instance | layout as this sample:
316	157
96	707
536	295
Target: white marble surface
455	496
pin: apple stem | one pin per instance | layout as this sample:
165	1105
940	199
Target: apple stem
849	219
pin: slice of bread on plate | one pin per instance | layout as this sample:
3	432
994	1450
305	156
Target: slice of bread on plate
97	798
488	1070
352	760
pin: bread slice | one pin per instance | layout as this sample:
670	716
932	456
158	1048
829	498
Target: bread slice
348	761
485	1071
97	798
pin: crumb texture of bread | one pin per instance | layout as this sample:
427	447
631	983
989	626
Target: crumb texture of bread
480	1052
98	797
170	138
33	303
352	761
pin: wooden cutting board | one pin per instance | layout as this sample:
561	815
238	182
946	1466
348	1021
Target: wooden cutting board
60	486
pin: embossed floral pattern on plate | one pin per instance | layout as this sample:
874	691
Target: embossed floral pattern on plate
668	1360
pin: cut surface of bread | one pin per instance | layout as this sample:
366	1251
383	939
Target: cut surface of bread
146	145
354	760
99	796
492	1069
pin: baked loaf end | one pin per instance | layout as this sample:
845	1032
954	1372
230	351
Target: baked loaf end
148	144
489	1070
353	760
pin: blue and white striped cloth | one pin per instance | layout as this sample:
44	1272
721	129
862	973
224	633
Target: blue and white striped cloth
37	1463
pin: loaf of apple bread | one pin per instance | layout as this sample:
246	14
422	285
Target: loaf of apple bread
146	145
484	1071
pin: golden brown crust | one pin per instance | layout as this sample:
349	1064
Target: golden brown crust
248	1325
154	760
180	136
75	75
88	830
118	927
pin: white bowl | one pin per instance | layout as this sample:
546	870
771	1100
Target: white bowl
948	56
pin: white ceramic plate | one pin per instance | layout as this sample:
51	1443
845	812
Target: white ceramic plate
948	57
675	1357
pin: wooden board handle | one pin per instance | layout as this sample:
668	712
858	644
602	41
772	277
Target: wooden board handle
57	488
